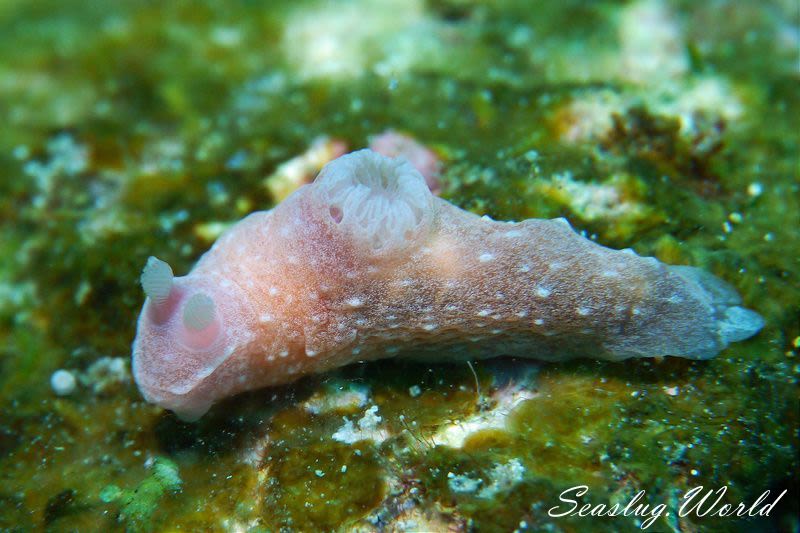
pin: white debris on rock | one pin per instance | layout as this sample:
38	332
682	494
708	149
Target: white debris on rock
303	168
367	429
502	478
387	38
163	156
15	297
106	374
66	157
63	382
588	117
455	434
713	97
343	398
460	483
591	200
652	44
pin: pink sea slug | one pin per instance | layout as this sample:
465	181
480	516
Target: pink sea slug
367	263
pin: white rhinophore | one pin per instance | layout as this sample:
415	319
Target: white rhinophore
157	279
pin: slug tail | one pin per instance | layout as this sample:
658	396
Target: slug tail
733	323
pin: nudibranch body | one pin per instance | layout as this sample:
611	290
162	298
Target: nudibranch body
366	263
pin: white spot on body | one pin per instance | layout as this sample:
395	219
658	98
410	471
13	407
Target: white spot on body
539	322
283	353
485	257
429	327
513	233
354	302
266	317
584	311
542	292
310	352
521	314
484	312
524	268
273	291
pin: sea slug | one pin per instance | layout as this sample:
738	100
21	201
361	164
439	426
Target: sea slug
366	263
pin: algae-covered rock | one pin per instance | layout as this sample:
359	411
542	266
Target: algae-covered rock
137	505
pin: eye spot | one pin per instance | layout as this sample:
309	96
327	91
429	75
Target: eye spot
198	313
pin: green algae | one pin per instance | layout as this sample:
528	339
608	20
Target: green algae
130	127
138	505
339	485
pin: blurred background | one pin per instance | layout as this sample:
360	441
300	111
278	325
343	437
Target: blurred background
139	128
